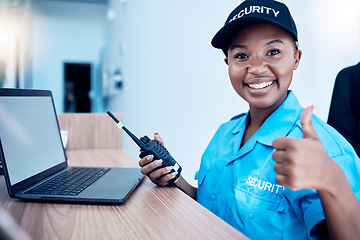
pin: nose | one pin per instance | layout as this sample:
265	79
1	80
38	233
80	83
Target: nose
256	66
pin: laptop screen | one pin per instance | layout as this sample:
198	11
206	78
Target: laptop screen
29	135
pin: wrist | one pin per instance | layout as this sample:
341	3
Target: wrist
177	184
335	180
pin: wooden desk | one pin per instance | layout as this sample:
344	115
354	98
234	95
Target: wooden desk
150	213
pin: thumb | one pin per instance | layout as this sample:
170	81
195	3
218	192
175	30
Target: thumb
306	124
158	138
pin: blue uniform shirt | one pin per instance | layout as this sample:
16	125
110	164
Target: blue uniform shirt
238	184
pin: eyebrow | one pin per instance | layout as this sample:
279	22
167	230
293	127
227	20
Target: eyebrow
275	41
244	47
238	46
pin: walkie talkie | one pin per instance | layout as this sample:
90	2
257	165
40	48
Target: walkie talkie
148	147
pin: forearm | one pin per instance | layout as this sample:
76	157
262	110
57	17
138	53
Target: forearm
341	208
184	185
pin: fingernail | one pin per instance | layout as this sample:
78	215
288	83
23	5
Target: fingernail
158	162
150	157
174	173
312	108
169	168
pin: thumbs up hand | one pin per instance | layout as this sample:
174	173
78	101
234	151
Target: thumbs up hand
302	163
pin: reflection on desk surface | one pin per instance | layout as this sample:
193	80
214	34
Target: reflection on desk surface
9	229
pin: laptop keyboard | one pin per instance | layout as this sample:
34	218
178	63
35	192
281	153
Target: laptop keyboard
71	182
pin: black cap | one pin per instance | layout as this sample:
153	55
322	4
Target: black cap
254	10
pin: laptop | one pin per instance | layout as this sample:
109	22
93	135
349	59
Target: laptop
33	156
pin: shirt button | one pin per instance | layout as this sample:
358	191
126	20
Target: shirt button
214	196
251	215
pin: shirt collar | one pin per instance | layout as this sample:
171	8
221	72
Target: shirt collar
278	124
281	121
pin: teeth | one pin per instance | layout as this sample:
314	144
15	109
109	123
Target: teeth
260	85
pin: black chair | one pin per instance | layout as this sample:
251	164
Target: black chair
344	114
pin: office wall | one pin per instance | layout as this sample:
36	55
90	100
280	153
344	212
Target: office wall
66	31
176	84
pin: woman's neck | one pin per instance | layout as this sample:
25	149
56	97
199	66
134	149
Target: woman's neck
257	117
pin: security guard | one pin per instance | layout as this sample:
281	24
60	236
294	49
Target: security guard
277	171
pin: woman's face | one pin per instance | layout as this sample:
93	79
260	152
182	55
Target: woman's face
261	59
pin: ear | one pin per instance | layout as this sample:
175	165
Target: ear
226	60
297	57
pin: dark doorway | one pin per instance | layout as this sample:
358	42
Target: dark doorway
77	87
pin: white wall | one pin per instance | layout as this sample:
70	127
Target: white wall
65	31
177	84
329	33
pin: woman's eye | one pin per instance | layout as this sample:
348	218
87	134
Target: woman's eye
273	52
241	56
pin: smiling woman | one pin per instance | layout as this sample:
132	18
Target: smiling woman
261	59
255	163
